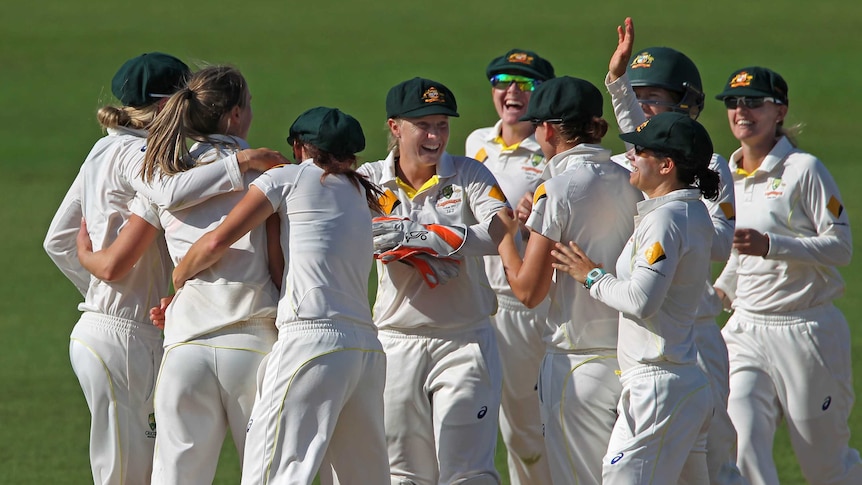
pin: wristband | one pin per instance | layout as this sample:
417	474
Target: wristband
593	276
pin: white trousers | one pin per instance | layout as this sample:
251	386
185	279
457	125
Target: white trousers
796	367
579	394
520	331
442	402
206	386
115	361
721	441
660	434
320	401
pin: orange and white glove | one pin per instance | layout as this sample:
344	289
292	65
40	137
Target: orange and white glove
438	240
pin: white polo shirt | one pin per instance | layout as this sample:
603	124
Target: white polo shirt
518	169
659	280
592	203
793	199
466	193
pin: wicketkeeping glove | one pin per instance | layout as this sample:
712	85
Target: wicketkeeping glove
434	239
435	271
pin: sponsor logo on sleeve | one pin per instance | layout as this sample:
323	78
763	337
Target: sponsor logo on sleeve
539	194
728	210
655	253
388	201
835	207
481	155
497	193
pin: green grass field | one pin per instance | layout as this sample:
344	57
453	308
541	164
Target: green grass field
58	58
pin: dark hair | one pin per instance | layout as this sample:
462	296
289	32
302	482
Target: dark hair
193	112
344	165
694	174
583	131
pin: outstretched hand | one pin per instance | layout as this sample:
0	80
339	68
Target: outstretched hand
572	260
625	44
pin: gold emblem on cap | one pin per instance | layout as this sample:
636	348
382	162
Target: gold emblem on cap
521	57
642	126
741	80
432	96
642	60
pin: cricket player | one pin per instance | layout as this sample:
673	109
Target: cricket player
666	404
589	201
789	345
655	80
321	393
443	378
510	151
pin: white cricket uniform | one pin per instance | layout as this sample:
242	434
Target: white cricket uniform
218	328
666	404
592	203
520	330
444	376
789	346
114	349
321	395
711	348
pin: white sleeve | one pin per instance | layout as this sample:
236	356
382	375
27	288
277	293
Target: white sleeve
146	210
627	110
189	188
60	242
486	198
728	278
833	243
652	272
722	211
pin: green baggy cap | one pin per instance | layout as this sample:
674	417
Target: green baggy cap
673	132
142	80
755	82
328	129
419	97
566	99
520	61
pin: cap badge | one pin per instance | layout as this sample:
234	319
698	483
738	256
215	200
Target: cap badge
432	96
642	60
741	80
642	126
520	57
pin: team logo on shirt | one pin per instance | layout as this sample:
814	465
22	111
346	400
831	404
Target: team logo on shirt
521	57
388	202
741	80
775	188
655	253
449	199
617	458
431	95
642	60
151	420
835	207
536	159
728	210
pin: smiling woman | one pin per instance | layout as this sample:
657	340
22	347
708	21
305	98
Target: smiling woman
443	376
789	346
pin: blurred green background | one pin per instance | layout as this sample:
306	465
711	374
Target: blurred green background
58	57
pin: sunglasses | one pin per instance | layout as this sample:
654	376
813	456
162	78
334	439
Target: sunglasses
553	121
733	102
503	81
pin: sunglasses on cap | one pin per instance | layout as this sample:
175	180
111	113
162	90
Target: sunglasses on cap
732	102
503	81
553	121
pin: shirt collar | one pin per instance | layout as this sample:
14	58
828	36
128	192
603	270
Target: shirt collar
585	152
648	205
773	159
122	130
445	169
